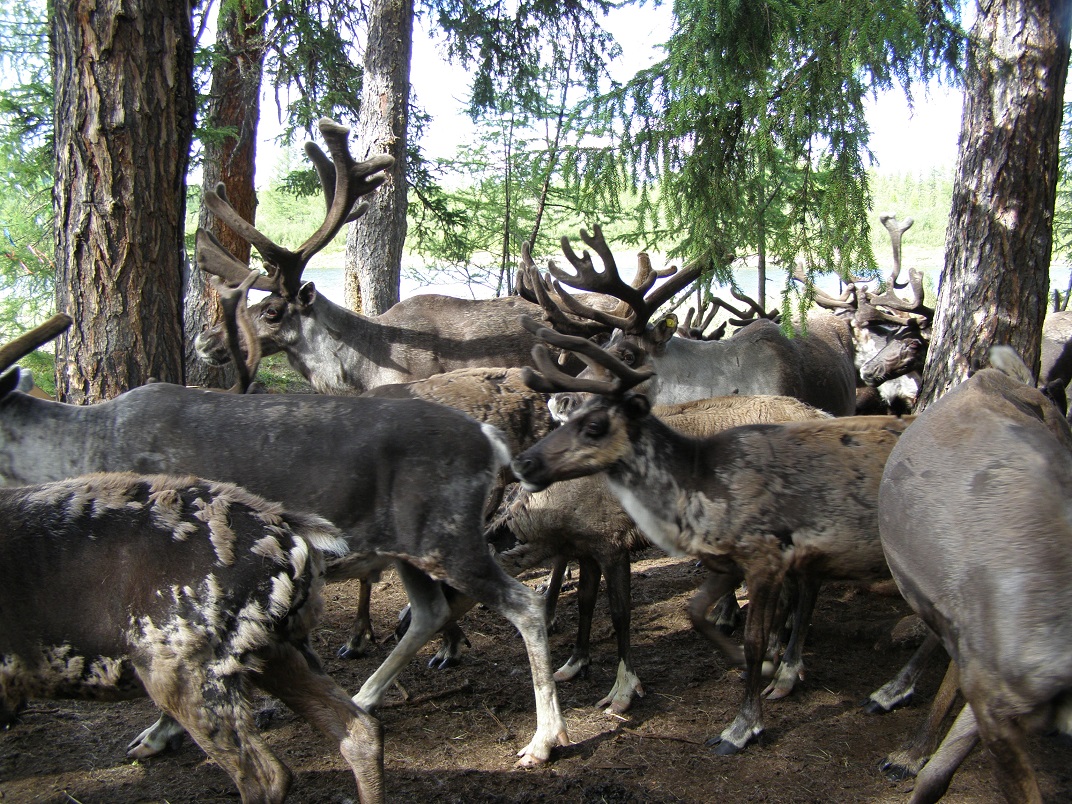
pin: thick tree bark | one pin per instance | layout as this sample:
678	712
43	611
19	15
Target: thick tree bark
235	104
996	276
374	243
124	113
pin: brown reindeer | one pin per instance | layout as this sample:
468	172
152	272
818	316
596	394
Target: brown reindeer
769	502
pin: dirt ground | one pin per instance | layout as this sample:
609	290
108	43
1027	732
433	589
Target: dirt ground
455	739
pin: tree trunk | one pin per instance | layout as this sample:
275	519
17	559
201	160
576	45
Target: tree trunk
234	104
124	114
374	242
995	280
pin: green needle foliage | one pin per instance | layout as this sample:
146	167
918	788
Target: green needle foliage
746	139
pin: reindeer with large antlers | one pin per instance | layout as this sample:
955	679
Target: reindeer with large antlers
339	351
757	359
891	333
771	502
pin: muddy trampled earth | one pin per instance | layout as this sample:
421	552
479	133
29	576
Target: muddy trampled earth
455	738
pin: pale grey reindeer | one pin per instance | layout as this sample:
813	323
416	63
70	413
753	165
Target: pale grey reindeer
975	523
342	352
768	502
116	586
405	480
756	359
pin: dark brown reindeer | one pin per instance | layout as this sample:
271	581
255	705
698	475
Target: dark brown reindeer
769	502
116	586
975	522
405	480
757	359
339	351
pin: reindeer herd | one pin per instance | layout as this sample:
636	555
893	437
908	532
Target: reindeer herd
451	444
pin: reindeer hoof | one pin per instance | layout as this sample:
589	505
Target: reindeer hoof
895	771
347	651
724	748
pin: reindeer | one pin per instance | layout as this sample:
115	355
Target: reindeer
405	480
115	586
342	352
890	333
757	359
768	502
975	523
580	519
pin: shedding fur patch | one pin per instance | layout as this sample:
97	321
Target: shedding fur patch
499	446
167	510
215	513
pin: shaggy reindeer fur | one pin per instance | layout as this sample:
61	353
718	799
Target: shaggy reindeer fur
115	586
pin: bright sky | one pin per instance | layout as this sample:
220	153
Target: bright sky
902	139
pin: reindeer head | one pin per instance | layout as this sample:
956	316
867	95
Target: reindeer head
597	434
344	182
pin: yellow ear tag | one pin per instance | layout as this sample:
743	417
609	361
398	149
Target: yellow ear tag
671	322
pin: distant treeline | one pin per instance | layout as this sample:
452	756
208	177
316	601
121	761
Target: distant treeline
923	196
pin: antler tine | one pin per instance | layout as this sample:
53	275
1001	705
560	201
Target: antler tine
214	258
351	181
235	318
896	229
625	377
275	256
846	301
867	313
607	281
15	350
914	305
677	282
577	307
534	281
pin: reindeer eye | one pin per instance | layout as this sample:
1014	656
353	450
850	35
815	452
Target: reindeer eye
627	356
272	313
595	427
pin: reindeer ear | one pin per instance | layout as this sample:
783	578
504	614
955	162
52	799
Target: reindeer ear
663	331
306	294
637	406
10	381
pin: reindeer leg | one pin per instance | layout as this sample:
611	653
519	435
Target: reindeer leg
899	689
485	581
720	582
312	694
1006	743
429	611
763	601
165	734
361	636
219	719
587	592
791	667
627	684
553	588
907	760
934	779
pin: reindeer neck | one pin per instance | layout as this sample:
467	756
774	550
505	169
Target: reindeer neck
661	482
342	352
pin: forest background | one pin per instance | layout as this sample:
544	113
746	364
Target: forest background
498	166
